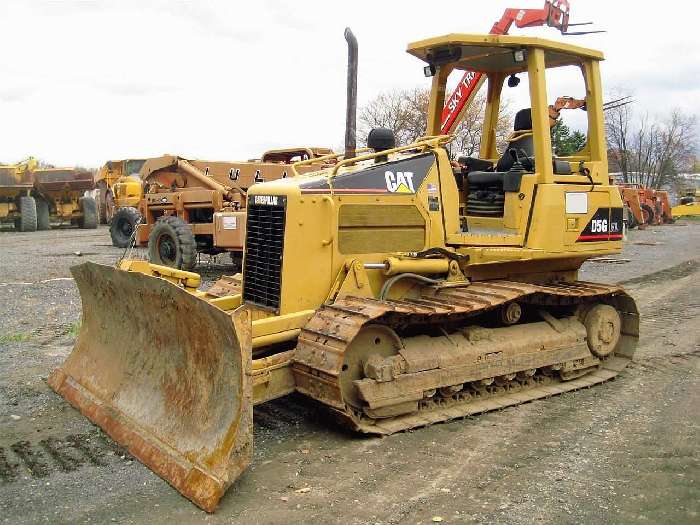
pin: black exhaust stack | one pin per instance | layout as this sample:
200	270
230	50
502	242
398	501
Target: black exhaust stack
351	113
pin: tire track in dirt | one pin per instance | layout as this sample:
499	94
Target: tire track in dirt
53	454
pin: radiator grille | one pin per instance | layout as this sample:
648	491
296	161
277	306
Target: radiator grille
262	269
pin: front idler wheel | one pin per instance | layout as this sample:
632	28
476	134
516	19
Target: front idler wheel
603	329
371	354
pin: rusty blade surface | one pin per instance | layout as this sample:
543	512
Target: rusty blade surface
166	375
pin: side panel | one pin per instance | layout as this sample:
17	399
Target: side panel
569	218
367	228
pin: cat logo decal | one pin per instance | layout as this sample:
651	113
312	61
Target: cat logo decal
400	182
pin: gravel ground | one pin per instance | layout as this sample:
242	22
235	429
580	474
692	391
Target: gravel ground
627	451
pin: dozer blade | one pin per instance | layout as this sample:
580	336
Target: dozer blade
166	375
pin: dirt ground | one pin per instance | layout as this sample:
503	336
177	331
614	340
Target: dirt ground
627	451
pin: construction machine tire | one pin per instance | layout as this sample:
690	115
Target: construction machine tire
123	225
109	207
648	214
178	394
237	261
42	215
105	203
631	219
172	243
26	222
88	213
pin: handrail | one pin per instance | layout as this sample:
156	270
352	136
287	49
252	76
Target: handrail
422	142
323	158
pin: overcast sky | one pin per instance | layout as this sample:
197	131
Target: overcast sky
83	82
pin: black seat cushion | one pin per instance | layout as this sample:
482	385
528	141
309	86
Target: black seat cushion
473	164
482	178
523	120
524	146
561	167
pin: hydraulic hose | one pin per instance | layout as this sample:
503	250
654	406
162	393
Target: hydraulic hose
390	282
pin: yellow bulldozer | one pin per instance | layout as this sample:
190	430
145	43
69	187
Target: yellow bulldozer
392	287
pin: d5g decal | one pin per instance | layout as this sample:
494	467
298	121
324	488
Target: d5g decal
605	225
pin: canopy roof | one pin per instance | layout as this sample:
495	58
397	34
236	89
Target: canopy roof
496	53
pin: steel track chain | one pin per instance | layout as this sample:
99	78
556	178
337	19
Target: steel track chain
327	336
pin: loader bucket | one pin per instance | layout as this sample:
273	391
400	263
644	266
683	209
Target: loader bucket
166	375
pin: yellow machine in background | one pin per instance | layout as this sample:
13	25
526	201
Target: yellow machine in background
689	204
17	205
60	195
194	206
390	287
120	186
32	197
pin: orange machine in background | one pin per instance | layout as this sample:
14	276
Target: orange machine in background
645	205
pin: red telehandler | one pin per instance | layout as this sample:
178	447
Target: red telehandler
555	13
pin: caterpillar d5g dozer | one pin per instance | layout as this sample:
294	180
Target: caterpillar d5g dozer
391	288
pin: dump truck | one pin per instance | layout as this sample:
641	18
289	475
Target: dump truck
33	197
61	196
198	206
392	288
17	205
119	185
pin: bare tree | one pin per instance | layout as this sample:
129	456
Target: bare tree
405	113
395	110
617	126
649	150
660	149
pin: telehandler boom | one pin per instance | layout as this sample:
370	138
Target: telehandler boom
554	13
390	287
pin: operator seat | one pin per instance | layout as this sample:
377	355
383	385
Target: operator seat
486	189
522	144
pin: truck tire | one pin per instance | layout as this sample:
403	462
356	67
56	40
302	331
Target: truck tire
648	214
172	243
109	207
27	215
88	210
122	227
631	219
237	261
42	214
102	201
